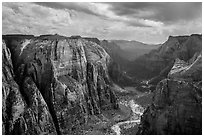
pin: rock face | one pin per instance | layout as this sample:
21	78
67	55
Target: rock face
162	59
177	101
51	84
118	63
191	70
19	117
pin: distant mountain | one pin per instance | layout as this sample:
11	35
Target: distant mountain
117	68
152	62
133	49
122	53
114	51
158	62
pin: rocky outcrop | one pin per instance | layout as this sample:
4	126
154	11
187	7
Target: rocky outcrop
53	83
191	70
177	101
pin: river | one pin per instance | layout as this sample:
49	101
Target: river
137	112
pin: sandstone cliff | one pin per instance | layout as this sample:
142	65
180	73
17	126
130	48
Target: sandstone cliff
51	84
182	47
177	101
156	65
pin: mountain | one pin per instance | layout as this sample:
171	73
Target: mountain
117	67
177	101
51	84
115	52
133	49
120	52
158	62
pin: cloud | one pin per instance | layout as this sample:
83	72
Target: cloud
145	22
97	9
31	18
166	12
82	7
136	13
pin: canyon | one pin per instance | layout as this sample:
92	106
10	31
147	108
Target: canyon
54	84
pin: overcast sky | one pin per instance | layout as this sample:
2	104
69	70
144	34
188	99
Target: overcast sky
145	22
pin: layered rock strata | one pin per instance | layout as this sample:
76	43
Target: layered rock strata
51	84
161	60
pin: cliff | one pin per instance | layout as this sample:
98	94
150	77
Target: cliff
51	84
177	101
162	59
117	66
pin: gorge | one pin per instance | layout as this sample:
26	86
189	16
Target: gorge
54	84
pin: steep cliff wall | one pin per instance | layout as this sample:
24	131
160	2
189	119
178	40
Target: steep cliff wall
66	79
161	60
19	116
118	64
177	102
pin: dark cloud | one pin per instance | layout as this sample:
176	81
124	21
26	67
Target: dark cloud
129	8
166	12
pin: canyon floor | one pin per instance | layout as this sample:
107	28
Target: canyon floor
123	121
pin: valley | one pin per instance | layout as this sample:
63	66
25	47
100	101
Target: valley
126	119
101	68
55	84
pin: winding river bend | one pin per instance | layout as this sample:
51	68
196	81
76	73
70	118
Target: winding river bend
134	120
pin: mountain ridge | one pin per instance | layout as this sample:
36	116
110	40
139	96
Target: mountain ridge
174	47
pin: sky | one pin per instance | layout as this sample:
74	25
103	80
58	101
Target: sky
141	21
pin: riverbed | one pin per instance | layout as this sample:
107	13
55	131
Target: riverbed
123	121
137	102
134	120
